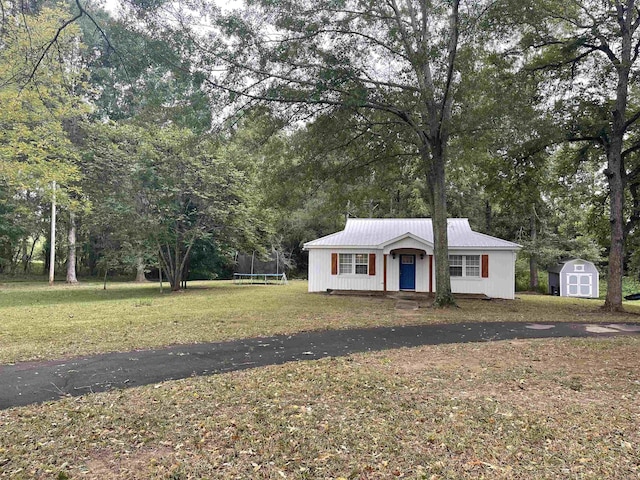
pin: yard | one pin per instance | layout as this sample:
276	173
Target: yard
40	322
513	409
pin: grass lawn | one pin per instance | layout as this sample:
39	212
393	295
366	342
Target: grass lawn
42	322
507	410
541	409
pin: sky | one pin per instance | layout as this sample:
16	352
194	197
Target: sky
112	5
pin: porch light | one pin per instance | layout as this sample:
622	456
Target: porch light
422	256
393	255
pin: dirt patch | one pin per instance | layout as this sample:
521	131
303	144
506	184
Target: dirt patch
105	463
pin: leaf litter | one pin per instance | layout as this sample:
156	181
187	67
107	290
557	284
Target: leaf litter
506	410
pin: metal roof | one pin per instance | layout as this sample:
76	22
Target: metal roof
373	232
557	268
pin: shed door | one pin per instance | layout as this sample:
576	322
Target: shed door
579	285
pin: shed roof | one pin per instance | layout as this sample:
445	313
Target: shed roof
557	268
373	232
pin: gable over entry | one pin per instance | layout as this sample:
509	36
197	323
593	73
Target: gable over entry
397	254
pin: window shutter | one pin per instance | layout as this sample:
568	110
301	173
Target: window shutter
485	266
334	264
372	264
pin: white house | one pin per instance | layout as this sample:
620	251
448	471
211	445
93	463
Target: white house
393	254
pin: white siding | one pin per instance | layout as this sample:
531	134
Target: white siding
393	273
500	284
320	278
501	281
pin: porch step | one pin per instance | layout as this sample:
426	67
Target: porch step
404	295
407	305
410	295
357	293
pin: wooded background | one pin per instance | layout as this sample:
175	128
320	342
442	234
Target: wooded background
179	135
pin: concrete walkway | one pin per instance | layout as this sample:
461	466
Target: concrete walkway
34	382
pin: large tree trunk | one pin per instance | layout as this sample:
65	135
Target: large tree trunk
438	200
71	256
533	263
140	276
25	256
52	240
173	262
488	218
613	301
33	247
179	264
47	257
27	264
615	172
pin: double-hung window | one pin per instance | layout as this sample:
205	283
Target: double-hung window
357	263
346	263
455	265
362	263
464	265
472	266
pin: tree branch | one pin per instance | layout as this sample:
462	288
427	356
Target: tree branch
633	119
573	60
447	97
636	50
350	32
604	47
630	150
594	138
50	45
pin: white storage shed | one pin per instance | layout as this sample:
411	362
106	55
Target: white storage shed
574	278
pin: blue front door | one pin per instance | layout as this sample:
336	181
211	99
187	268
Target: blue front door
407	272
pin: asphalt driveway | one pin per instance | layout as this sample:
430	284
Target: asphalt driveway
35	382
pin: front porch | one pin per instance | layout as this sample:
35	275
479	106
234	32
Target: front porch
408	265
405	295
408	270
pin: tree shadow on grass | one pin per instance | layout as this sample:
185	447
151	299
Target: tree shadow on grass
93	292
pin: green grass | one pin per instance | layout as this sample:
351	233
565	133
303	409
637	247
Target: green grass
42	322
505	410
501	410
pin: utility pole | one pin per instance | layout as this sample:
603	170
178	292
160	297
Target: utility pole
52	242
